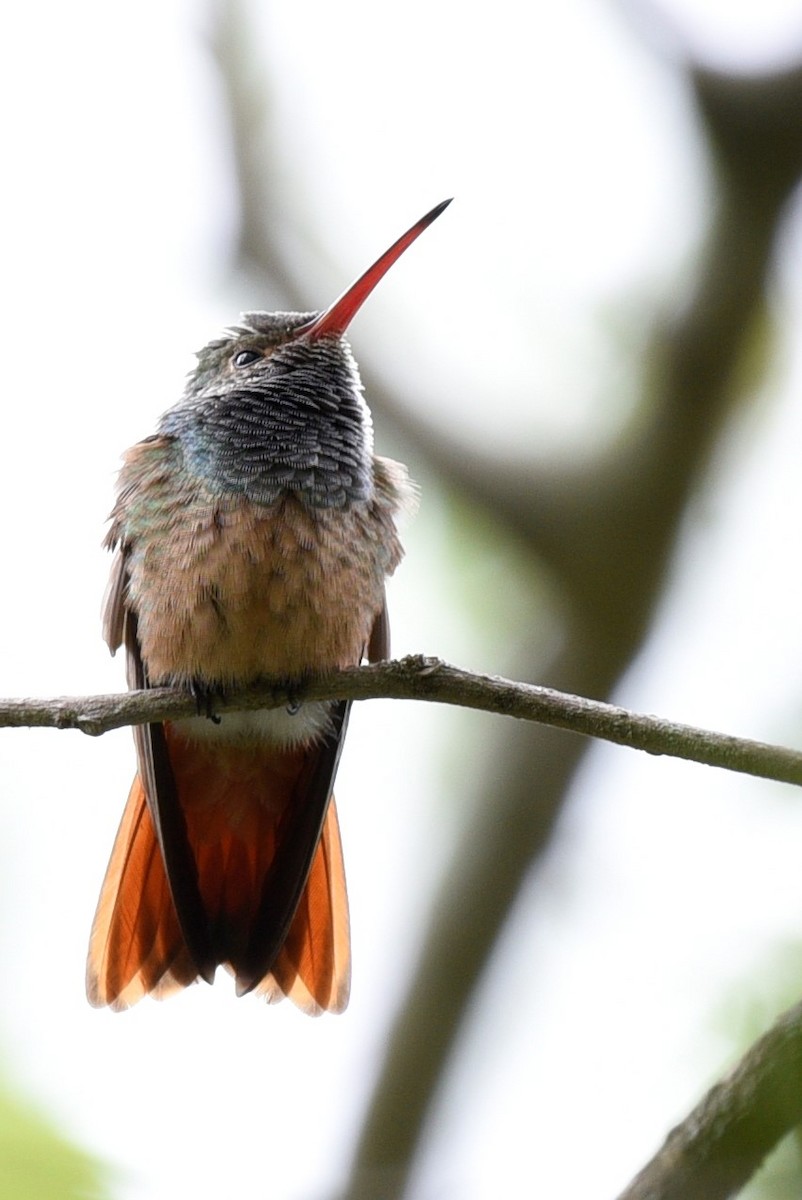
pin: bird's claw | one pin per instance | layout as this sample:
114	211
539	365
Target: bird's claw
205	696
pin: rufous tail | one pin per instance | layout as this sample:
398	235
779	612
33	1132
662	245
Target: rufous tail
237	804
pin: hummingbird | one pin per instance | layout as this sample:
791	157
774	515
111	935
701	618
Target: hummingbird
252	536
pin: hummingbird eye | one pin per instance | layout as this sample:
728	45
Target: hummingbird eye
244	358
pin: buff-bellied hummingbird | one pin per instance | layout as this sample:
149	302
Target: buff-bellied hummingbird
252	534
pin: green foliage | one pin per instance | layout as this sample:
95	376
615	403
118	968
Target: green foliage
37	1163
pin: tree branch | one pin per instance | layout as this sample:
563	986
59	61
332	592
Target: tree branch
418	677
723	1141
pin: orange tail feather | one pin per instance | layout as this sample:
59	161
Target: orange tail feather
314	966
236	801
136	945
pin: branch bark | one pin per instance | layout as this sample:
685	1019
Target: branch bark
418	677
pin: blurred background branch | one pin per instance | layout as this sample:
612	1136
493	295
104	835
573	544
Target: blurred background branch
720	1145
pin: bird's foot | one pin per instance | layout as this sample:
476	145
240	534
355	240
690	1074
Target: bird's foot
205	696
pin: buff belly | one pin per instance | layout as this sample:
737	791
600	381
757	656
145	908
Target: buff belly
231	595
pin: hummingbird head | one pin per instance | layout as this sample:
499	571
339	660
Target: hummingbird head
267	411
276	403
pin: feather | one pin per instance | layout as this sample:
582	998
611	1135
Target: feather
379	644
113	613
313	967
286	877
169	822
271	886
136	944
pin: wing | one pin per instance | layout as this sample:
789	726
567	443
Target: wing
113	615
379	644
156	774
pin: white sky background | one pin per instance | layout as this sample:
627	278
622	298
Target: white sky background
572	203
